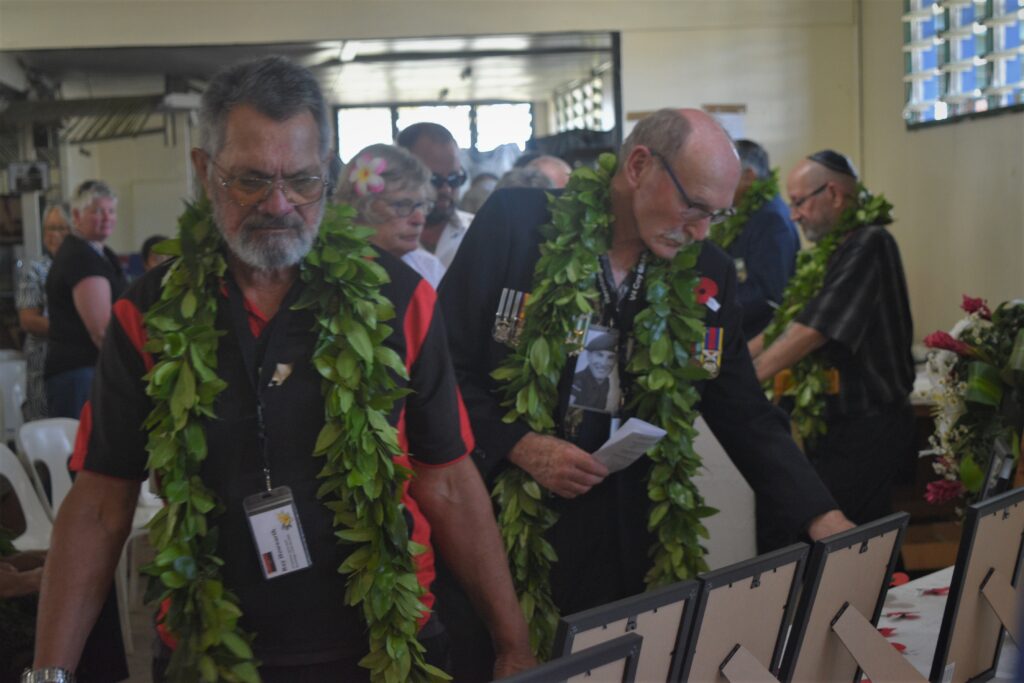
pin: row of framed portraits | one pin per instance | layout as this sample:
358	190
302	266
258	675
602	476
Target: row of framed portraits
804	614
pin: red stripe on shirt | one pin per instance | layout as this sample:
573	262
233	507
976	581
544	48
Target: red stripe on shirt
82	438
417	321
130	318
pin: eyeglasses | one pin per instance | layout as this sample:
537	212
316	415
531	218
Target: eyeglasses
453	180
248	190
406	207
797	203
695	213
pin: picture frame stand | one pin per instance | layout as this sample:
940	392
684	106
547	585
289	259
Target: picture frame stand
879	660
741	666
1004	600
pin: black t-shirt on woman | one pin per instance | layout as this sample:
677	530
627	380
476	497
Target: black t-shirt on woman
70	346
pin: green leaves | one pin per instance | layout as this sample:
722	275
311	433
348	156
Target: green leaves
810	377
760	192
360	383
564	288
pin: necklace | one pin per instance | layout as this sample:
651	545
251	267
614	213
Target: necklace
810	376
760	192
361	482
661	376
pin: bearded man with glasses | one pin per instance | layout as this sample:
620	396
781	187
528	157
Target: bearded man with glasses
446	225
279	561
858	322
611	234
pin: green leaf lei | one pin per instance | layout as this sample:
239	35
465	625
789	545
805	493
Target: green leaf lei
810	375
362	484
760	192
565	288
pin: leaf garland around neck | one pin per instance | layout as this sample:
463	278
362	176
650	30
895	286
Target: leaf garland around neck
361	485
666	332
760	192
810	376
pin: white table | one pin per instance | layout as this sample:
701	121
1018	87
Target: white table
920	636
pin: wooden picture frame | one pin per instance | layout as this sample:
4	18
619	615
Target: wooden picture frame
747	605
971	636
850	569
663	617
613	661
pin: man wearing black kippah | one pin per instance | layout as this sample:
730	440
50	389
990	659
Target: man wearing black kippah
858	322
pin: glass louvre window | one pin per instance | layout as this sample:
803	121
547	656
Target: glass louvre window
961	57
453	117
481	127
360	127
579	106
499	124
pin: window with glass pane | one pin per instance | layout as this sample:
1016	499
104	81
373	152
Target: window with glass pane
362	126
453	117
961	57
499	124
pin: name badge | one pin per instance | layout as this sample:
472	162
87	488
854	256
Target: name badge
280	543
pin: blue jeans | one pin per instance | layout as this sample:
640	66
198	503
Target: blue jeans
67	392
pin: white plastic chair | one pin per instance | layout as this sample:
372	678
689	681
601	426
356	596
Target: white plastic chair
50	442
38	526
13	379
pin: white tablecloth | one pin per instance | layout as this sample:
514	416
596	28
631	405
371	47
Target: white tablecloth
920	636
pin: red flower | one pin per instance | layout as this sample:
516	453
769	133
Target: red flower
887	632
900	647
943	340
705	289
976	305
943	491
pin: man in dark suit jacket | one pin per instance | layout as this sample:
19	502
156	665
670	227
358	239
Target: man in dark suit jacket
601	537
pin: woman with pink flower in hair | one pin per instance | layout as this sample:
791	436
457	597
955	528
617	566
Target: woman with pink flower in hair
390	190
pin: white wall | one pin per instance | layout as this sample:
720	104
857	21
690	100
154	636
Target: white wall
958	189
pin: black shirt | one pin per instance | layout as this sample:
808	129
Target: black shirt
300	616
71	347
864	310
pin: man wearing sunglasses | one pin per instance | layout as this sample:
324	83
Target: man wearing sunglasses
434	145
860	322
676	174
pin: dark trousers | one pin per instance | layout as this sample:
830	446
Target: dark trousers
433	637
858	460
67	392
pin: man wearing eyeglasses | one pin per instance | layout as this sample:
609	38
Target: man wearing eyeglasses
264	162
676	174
446	225
860	322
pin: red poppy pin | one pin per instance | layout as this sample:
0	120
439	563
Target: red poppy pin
705	291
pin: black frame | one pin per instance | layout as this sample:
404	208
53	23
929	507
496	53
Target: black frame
627	647
815	569
749	569
629	608
975	513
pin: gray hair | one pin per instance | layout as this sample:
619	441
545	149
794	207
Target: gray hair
402	171
754	157
88	192
273	86
525	176
63	209
665	131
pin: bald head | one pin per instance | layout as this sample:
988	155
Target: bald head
554	168
678	168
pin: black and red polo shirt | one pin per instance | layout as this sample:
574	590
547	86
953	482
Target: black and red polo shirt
300	616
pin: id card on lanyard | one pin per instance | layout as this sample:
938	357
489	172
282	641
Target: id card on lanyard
272	513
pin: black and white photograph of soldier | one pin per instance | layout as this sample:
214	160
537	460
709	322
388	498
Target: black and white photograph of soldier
595	386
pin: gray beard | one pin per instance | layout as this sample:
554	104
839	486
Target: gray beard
261	251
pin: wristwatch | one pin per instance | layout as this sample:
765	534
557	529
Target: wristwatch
48	674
